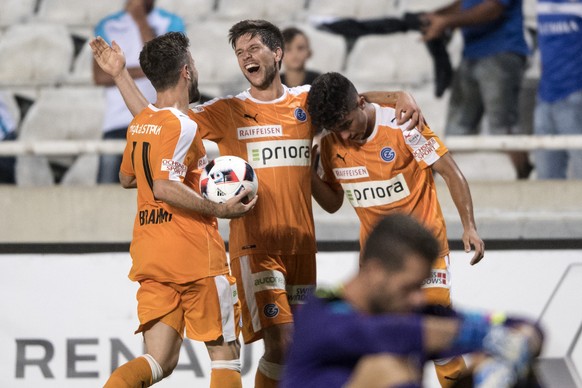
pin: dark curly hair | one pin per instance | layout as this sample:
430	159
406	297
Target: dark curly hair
330	99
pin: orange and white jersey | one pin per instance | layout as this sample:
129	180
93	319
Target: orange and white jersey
275	138
169	244
390	172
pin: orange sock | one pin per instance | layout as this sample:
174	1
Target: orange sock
262	381
135	373
448	373
225	378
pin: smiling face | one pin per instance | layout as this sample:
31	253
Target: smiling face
258	63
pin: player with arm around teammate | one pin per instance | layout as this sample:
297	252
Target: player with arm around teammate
383	168
370	334
178	256
272	248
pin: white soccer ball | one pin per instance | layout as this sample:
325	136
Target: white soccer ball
225	176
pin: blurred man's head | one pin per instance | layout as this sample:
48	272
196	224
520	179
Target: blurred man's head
396	259
165	59
258	46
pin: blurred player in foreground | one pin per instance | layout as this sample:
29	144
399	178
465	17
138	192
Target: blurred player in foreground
368	333
272	249
178	256
384	168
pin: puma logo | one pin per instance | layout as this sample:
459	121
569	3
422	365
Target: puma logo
343	158
248	116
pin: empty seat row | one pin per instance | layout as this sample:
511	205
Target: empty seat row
88	13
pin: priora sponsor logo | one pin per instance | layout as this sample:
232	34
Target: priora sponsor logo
279	153
376	193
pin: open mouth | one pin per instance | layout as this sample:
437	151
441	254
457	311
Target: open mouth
252	68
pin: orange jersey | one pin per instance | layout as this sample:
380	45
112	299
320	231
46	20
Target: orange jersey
275	138
389	173
169	244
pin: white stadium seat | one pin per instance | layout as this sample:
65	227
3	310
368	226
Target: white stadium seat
232	11
332	8
75	12
374	9
189	10
35	54
16	11
62	114
279	11
390	59
421	5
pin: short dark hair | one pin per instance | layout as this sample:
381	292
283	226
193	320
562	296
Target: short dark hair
269	33
162	58
290	33
397	236
330	99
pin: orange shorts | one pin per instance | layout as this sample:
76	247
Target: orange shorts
437	287
207	308
268	286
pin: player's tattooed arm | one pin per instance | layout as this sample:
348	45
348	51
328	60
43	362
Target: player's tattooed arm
111	60
459	189
326	196
405	105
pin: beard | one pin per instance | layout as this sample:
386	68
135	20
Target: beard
267	80
193	92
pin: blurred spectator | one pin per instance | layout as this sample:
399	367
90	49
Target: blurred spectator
297	52
130	28
489	76
8	125
559	105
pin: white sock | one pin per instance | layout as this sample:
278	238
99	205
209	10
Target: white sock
157	372
234	365
270	369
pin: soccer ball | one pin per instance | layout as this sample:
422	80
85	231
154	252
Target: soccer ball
225	176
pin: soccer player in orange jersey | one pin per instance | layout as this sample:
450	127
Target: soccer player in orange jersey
383	168
178	256
272	249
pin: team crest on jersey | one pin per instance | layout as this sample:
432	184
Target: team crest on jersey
271	310
387	154
300	114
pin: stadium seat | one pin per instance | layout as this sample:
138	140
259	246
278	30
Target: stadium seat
231	11
218	70
191	11
35	54
421	5
332	9
280	11
76	13
16	11
82	72
390	59
373	9
61	114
